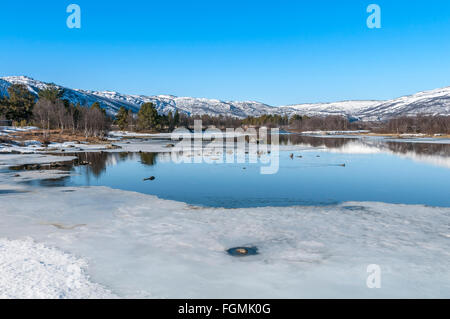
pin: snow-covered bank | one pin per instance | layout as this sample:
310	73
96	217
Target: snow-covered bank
32	270
6	130
141	246
334	132
7	160
162	143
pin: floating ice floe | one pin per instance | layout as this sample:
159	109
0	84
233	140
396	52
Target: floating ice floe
7	160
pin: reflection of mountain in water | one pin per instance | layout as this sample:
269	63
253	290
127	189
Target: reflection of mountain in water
437	154
93	164
434	154
431	153
418	148
296	139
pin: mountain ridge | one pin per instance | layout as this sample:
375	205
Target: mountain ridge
432	102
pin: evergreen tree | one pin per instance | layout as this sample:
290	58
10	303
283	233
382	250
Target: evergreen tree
3	107
176	118
97	105
170	120
122	118
51	93
148	117
18	106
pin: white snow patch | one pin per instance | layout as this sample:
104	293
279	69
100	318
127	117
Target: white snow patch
30	270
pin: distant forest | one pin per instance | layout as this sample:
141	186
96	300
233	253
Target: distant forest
420	124
51	112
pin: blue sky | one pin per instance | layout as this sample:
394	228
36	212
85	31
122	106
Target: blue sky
277	52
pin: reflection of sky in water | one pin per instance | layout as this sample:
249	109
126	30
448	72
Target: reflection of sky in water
393	173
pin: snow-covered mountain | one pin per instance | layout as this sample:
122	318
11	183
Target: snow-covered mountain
112	101
436	102
351	109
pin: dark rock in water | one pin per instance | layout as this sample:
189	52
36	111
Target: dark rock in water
55	165
300	156
242	251
17	175
33	167
113	147
170	145
292	155
318	156
151	178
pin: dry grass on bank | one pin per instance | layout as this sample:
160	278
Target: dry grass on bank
54	136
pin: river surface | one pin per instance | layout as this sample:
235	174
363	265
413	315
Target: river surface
322	171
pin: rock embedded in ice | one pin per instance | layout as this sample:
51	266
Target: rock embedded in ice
242	251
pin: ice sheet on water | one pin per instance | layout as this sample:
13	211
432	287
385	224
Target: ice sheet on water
141	246
25	159
38	174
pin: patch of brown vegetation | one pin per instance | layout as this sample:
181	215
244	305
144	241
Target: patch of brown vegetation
56	136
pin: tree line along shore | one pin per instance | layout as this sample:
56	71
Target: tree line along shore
56	116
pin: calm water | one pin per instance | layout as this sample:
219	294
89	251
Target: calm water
408	173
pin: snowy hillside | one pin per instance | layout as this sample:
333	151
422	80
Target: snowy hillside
347	108
112	101
436	102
